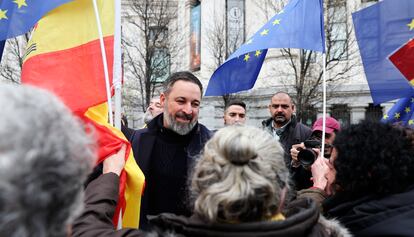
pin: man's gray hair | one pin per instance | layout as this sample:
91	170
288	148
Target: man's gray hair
45	157
240	176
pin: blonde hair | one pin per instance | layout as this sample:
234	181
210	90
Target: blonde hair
240	176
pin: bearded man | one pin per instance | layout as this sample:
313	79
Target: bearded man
154	108
167	148
284	127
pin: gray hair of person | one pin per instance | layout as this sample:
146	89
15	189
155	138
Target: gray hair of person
181	76
240	177
45	157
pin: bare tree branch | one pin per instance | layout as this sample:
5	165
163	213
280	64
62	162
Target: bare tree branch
151	40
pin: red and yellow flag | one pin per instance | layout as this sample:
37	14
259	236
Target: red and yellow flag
65	49
64	57
132	180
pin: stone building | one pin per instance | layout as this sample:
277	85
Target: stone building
214	28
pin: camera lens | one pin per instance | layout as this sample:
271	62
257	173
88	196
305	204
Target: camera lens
306	157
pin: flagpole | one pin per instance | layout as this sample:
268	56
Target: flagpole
117	74
117	81
104	61
323	104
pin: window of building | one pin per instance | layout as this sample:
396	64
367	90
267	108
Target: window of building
309	116
341	112
160	65
373	112
195	36
338	30
160	60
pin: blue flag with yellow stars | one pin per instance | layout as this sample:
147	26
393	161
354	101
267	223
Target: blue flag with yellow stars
298	25
382	30
401	112
19	16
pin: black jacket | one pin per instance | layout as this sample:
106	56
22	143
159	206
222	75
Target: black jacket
142	142
303	219
294	133
392	215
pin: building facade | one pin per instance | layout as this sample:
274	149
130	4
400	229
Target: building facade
213	29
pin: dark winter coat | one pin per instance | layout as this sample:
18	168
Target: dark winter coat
392	215
294	133
101	197
143	141
302	219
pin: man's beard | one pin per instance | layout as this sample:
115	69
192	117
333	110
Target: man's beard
180	128
280	119
147	117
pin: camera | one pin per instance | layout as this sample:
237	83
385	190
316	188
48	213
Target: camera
307	156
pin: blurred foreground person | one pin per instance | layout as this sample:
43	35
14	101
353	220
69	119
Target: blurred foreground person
370	175
239	188
45	157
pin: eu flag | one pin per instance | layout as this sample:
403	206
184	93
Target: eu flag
401	112
381	30
298	25
19	16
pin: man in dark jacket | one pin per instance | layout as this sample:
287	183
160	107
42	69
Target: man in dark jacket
284	127
165	150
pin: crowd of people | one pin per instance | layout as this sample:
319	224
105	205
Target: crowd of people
237	181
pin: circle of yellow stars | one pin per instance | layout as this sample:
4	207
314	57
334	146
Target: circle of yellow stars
20	3
262	33
397	115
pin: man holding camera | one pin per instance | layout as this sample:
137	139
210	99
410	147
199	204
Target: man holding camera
303	154
283	125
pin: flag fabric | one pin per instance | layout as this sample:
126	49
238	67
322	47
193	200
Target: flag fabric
401	112
65	49
381	29
64	57
132	179
19	16
403	60
2	43
298	25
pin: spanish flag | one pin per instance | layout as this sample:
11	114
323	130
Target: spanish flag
64	57
64	49
111	139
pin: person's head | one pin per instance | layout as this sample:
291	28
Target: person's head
237	180
181	100
281	108
154	108
332	126
45	157
235	113
374	158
